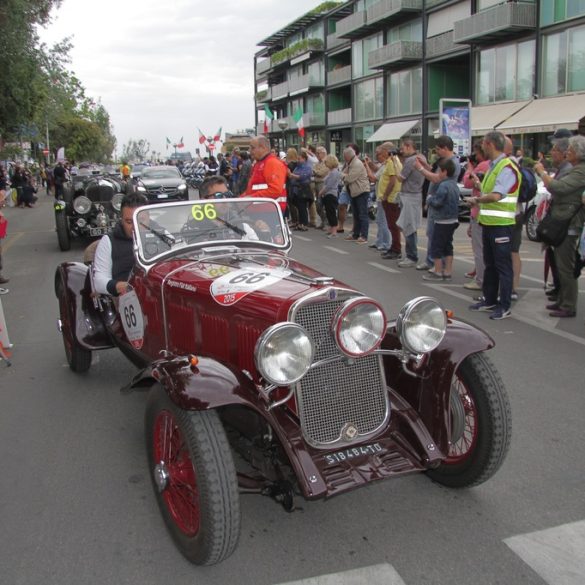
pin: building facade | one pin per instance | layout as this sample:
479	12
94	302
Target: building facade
366	71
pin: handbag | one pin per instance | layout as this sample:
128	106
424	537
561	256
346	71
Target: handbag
3	227
553	231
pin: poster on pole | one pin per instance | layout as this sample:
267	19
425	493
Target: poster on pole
455	119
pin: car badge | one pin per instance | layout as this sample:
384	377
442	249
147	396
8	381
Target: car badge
349	432
332	294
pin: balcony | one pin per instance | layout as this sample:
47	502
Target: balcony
394	11
341	75
310	119
262	67
500	22
303	84
352	26
339	117
395	55
264	95
280	91
333	41
441	45
272	127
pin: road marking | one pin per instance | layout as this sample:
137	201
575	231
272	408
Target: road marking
556	554
383	574
531	317
333	249
385	268
471	261
15	237
303	238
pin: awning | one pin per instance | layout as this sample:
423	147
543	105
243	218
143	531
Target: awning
486	118
393	131
547	115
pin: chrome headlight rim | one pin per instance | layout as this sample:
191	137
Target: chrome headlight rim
82	205
337	322
263	341
402	324
117	201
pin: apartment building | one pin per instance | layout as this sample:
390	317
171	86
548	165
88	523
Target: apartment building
366	71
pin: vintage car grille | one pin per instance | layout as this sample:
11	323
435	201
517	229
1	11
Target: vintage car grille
336	394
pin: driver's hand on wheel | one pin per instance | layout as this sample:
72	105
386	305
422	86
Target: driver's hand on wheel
122	287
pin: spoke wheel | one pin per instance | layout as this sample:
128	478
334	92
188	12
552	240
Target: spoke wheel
531	224
481	425
194	479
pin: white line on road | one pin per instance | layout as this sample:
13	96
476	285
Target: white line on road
303	238
383	574
385	268
528	320
471	261
556	554
336	250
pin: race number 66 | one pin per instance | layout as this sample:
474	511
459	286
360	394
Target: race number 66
201	212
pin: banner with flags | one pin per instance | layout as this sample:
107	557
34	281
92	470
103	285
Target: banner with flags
217	136
298	118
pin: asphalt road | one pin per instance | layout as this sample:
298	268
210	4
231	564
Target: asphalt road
77	506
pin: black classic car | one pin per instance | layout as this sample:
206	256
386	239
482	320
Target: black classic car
267	377
90	207
162	183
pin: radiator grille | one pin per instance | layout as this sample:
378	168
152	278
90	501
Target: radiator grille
338	393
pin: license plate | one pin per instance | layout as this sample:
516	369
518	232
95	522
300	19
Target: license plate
163	196
98	231
352	453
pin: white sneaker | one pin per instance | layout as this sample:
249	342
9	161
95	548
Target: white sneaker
423	266
472	285
407	263
4	291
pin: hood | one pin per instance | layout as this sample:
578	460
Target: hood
167	182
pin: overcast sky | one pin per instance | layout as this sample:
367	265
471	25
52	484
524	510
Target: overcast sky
166	68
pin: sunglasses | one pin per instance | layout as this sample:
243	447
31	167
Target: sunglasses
220	195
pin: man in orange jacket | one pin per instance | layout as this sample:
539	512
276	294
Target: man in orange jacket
268	173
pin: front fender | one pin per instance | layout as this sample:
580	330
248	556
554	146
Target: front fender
83	319
429	391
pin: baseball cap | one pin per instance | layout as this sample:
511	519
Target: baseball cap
561	133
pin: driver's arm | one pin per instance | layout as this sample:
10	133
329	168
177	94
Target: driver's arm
102	270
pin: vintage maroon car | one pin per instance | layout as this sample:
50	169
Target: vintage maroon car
267	377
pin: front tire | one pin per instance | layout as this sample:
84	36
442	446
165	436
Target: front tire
63	236
194	479
481	425
78	358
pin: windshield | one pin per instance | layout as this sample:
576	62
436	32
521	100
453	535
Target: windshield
169	173
174	228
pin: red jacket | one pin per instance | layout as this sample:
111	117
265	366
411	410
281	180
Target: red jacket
268	180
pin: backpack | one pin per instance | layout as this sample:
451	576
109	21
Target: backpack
527	185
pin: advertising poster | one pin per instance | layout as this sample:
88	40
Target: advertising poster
456	123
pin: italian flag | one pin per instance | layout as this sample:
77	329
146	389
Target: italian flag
268	116
181	144
217	135
298	118
201	136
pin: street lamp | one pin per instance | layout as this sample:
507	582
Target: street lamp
283	125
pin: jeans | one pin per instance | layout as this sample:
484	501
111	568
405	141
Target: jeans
411	246
361	222
497	258
384	239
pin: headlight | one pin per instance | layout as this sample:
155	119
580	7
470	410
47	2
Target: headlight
141	188
82	204
117	201
421	325
359	327
284	354
182	187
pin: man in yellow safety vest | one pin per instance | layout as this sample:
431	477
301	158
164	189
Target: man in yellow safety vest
497	215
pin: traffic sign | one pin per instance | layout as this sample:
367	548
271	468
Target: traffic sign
46	151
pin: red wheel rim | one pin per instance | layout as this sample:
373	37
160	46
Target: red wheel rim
465	444
181	495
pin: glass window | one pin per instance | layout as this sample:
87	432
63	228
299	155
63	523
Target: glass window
576	65
294	39
369	99
295	72
315	31
316	72
554	64
294	105
357	60
410	31
360	51
405	92
552	11
505	73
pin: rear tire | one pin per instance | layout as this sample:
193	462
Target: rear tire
194	479
63	231
481	425
531	222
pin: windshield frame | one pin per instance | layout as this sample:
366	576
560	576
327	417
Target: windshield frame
182	249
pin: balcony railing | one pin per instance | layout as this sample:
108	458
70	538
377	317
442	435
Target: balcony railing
339	117
272	127
351	26
310	119
395	54
303	83
333	41
341	75
496	23
280	91
441	44
262	67
264	95
392	10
